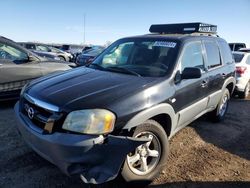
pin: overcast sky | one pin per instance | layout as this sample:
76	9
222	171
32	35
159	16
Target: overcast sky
62	21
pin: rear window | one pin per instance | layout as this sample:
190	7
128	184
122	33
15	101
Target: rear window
238	57
225	52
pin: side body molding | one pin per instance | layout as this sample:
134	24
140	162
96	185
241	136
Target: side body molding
162	108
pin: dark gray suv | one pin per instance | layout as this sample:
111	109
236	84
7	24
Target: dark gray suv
118	114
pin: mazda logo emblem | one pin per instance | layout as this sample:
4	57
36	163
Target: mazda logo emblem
31	112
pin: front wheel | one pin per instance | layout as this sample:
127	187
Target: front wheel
219	113
146	162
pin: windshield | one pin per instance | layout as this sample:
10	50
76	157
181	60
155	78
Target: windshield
144	57
238	57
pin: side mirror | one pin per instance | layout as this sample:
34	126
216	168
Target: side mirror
191	73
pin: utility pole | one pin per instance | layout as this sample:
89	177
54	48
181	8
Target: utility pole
84	30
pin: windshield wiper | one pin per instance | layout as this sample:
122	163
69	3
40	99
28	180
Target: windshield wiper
123	70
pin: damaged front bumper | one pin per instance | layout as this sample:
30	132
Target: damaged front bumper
97	159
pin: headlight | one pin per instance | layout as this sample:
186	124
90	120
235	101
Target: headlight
96	121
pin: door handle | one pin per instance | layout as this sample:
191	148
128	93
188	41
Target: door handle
204	83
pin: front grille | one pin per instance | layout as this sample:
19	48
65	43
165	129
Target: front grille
43	119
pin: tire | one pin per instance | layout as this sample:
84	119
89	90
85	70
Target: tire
219	113
245	93
159	143
62	58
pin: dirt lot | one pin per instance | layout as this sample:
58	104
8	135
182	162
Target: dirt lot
202	155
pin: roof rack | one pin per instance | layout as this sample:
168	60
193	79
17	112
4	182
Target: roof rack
184	28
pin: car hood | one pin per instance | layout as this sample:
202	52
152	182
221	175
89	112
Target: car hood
85	88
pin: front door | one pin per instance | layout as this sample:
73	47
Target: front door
190	97
15	69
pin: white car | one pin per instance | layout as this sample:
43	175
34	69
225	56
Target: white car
242	63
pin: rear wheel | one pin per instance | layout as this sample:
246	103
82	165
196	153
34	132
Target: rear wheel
219	113
146	162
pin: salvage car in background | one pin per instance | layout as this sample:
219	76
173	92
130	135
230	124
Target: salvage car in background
242	60
64	56
19	66
47	51
236	46
46	55
74	50
88	56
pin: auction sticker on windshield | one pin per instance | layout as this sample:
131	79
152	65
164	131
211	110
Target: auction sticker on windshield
165	44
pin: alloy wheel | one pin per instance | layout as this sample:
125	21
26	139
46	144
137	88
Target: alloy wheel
146	156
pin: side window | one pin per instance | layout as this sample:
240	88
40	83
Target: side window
10	53
225	53
192	56
213	55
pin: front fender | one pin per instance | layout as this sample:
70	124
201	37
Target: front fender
141	117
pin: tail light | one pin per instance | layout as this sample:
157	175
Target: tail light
240	70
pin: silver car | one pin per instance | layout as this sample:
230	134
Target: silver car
242	60
19	66
43	48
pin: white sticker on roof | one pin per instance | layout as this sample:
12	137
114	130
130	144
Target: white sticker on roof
165	44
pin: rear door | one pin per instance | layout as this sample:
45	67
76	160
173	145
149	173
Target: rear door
190	97
217	71
15	69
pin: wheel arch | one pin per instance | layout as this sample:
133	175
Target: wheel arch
62	57
229	84
230	87
164	114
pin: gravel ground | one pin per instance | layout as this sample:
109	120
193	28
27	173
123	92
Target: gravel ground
203	154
